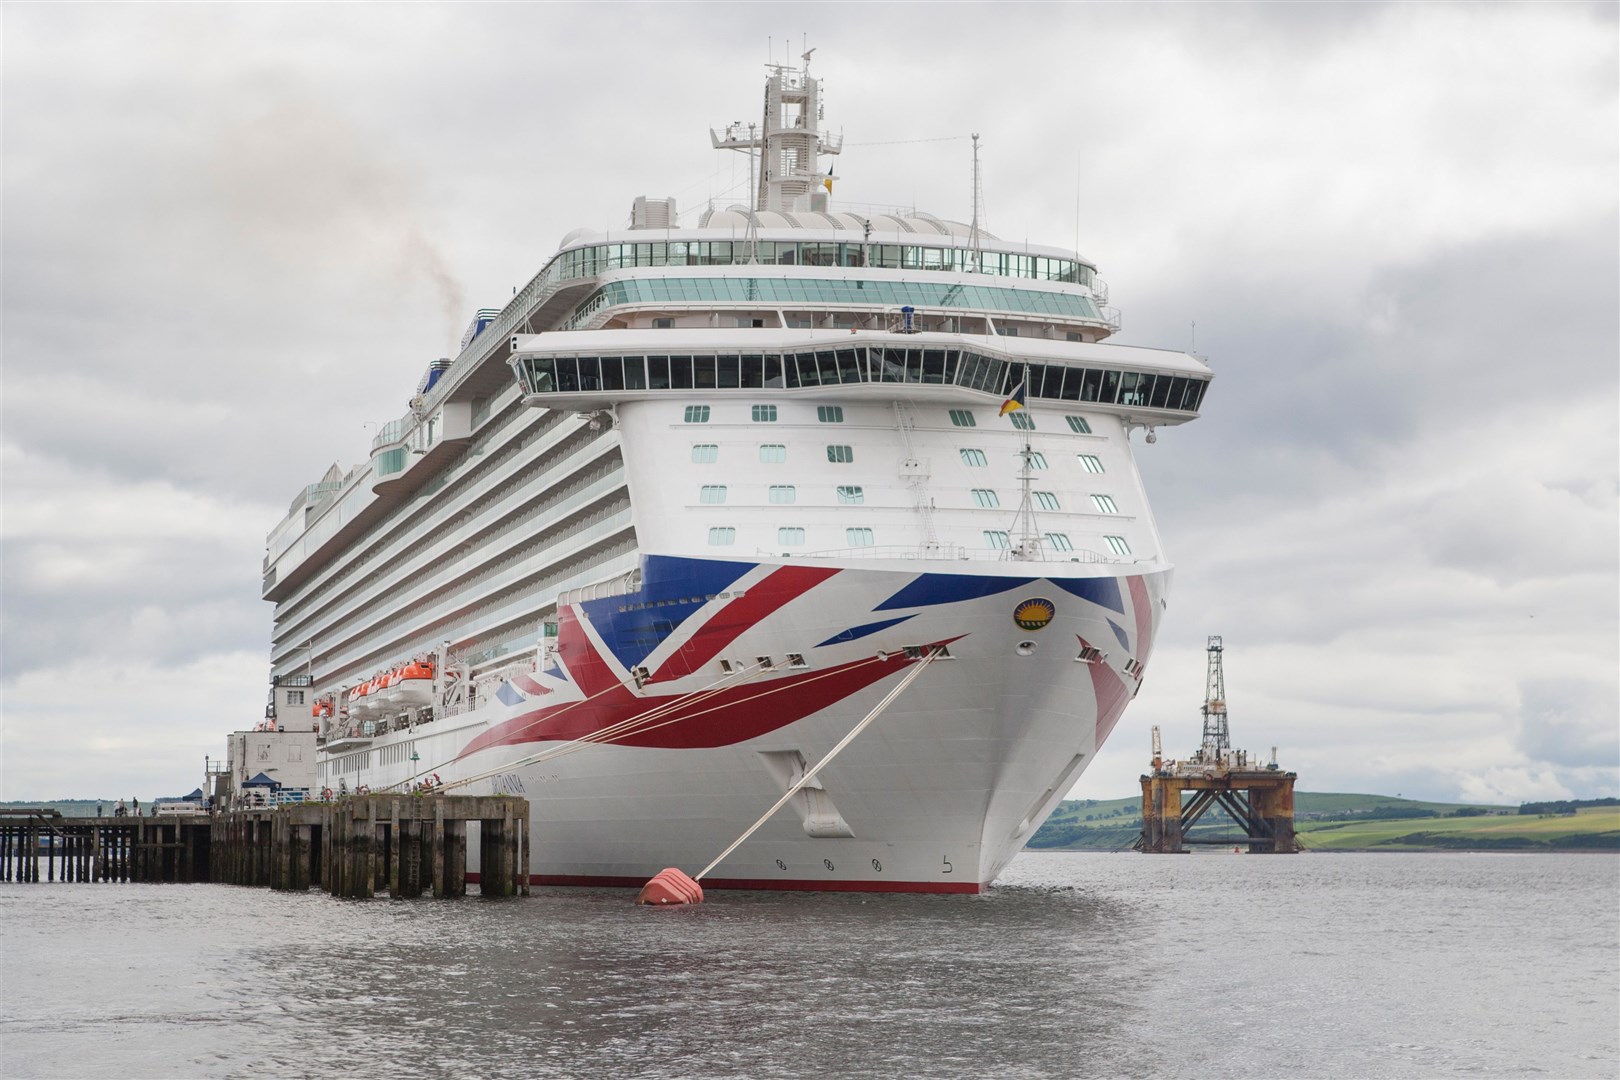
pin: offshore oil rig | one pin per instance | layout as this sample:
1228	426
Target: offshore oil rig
1257	796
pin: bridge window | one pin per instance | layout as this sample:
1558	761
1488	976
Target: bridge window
1037	460
783	493
722	537
1104	504
764	414
985	498
858	537
851	494
1117	545
789	537
772	453
705	453
1046	500
712	493
996	539
1059	542
891	363
974	458
840	455
1090	462
697	414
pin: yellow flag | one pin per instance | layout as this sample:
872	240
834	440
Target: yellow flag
827	183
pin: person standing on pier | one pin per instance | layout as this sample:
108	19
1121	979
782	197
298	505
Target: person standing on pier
120	811
137	805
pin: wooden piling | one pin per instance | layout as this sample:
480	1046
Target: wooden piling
438	852
355	847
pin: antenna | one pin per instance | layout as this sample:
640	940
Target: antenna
1076	206
752	235
978	198
1029	537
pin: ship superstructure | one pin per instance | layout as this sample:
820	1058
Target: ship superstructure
682	511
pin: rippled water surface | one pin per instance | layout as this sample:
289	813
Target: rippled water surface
1075	965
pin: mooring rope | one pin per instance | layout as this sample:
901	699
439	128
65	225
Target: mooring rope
834	752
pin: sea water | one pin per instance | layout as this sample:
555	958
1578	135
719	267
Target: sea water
1074	965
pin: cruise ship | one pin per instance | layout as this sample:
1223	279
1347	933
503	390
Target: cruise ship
702	497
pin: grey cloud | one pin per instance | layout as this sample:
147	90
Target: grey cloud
1573	723
235	234
166	602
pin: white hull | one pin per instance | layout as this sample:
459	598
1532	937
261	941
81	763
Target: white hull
937	795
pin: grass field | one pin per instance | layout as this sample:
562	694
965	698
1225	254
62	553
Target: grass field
1339	821
1593	827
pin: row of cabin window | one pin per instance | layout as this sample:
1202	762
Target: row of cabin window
821	293
776	454
857	365
766	414
591	261
834	414
995	539
782	494
985	498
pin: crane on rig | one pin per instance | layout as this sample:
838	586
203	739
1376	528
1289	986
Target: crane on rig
1217	735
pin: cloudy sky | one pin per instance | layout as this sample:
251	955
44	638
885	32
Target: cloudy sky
234	235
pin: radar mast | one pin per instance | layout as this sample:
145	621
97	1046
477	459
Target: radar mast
789	141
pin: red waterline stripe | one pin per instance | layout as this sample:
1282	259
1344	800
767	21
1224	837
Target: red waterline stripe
759	884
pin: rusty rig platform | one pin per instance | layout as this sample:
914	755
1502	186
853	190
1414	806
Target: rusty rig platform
1261	801
1259	798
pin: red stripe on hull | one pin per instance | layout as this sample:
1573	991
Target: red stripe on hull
759	601
591	881
1143	609
719	718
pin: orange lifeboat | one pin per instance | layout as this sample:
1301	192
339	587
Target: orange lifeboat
361	702
382	690
413	687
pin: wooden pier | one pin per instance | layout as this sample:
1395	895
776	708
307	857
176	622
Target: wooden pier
406	845
45	846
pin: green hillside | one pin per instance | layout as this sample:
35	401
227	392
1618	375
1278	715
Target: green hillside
1589	828
68	807
1346	821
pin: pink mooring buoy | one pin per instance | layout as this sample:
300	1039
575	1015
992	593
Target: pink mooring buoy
671	886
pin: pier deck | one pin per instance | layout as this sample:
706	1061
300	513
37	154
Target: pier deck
406	845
